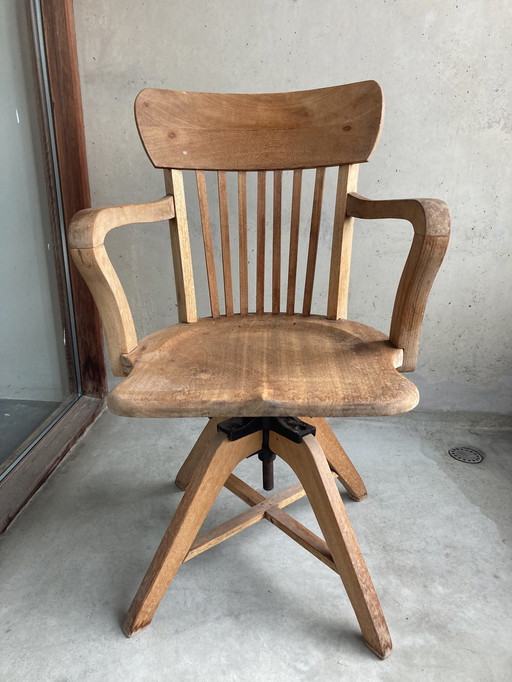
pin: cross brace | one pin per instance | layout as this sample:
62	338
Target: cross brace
316	460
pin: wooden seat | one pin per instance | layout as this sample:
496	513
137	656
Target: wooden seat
257	355
269	365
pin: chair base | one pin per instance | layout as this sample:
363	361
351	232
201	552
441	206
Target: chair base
317	461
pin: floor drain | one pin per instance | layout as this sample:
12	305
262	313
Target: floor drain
466	454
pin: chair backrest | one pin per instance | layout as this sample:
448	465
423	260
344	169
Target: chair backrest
337	126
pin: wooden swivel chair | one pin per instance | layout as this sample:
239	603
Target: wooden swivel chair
255	371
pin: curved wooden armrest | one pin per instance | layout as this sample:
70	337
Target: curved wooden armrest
86	236
430	219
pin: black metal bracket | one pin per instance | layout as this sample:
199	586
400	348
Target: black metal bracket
289	427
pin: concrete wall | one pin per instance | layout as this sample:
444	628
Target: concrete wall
444	68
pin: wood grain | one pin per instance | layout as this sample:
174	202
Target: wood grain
338	459
97	270
225	242
208	478
264	365
242	243
211	131
180	244
209	256
341	251
314	233
67	117
260	242
276	242
430	219
294	242
309	463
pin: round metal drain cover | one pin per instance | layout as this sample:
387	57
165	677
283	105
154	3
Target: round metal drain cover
466	454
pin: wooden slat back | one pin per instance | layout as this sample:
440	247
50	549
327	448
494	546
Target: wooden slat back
341	252
276	242
307	129
242	243
180	244
225	242
294	242
208	243
342	228
314	233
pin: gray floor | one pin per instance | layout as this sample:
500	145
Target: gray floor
436	535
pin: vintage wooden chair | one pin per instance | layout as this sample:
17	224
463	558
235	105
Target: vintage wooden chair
254	372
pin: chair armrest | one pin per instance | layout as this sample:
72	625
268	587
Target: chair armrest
430	219
88	228
86	236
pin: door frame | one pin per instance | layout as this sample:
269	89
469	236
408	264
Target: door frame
56	21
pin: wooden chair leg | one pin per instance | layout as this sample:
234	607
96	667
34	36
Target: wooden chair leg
310	465
338	459
218	459
201	445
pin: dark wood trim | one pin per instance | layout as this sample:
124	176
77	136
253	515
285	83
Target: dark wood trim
62	64
18	487
64	81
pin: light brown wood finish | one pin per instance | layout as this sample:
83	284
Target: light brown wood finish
86	236
430	219
276	242
341	253
294	242
248	518
97	270
312	366
225	242
314	232
309	463
180	244
334	453
209	476
280	519
89	227
242	243
338	459
201	445
307	129
208	243
260	242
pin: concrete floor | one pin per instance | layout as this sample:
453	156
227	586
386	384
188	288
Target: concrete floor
436	535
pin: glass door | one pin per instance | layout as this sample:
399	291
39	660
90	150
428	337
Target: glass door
38	372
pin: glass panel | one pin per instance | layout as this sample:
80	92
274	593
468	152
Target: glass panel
37	378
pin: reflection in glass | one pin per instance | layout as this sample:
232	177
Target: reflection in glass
36	377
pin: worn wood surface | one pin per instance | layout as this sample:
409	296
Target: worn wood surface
248	518
209	476
293	252
103	282
314	233
280	519
198	130
309	463
430	219
272	365
180	244
209	256
338	459
341	252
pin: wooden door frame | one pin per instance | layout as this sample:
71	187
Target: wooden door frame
58	27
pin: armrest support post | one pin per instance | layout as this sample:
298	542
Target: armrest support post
86	235
430	219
